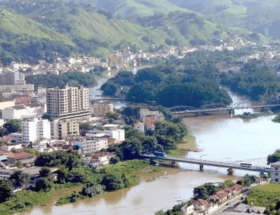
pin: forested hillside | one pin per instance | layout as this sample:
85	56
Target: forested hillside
92	29
254	15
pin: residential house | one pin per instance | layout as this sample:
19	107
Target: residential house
236	189
220	196
139	126
201	204
188	209
16	137
101	159
22	157
12	146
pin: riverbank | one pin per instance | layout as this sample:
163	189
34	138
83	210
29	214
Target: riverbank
138	170
188	145
25	200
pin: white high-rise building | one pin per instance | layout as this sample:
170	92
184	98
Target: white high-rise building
35	129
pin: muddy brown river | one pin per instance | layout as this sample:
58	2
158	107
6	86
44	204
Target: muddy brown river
219	138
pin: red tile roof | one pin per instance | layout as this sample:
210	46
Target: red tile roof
20	155
102	154
219	195
201	202
2	151
25	100
6	138
237	187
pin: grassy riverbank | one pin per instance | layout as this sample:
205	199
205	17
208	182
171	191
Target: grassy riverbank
188	144
264	196
248	116
135	170
26	199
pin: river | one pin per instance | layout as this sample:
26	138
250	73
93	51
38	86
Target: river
219	138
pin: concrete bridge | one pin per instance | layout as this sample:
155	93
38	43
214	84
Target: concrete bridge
107	99
201	163
228	110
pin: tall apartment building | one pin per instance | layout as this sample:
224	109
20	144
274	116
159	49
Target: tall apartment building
68	106
12	78
35	129
69	102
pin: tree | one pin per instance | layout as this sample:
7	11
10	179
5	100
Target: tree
204	191
92	189
113	181
19	178
143	92
109	88
43	184
114	160
13	126
149	75
61	175
6	191
45	172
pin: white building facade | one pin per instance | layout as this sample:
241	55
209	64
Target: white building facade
93	144
35	129
275	172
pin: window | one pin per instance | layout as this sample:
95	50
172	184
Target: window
276	179
276	168
276	173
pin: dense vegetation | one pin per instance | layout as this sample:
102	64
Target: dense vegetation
170	85
68	28
255	80
256	15
70	78
266	196
111	178
167	134
275	157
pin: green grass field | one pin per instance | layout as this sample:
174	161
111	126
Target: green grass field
264	195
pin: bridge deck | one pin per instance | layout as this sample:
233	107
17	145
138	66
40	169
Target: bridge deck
210	163
224	108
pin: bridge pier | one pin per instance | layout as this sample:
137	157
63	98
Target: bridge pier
262	174
173	163
200	167
231	112
230	171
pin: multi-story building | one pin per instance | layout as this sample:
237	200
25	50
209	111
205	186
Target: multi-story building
12	78
93	144
70	102
60	129
35	129
100	110
275	172
22	111
115	132
69	106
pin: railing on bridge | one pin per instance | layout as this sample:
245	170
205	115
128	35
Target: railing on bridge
235	106
210	163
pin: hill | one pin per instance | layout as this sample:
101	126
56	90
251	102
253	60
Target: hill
255	15
99	31
132	9
24	39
